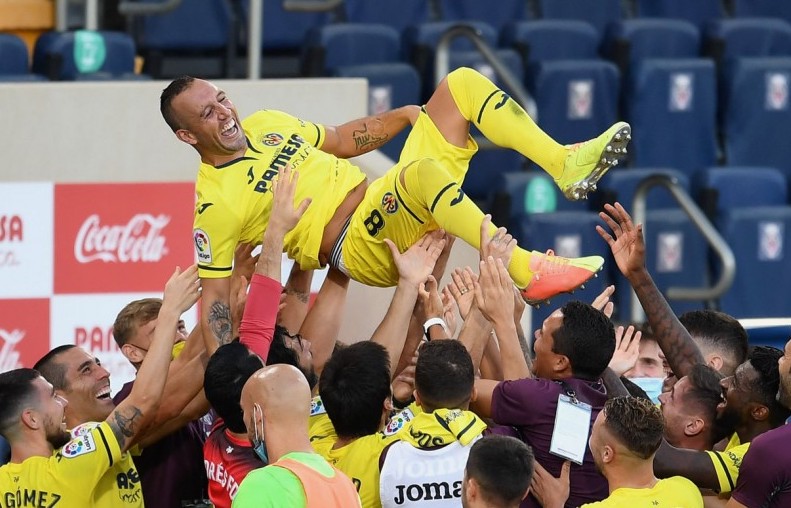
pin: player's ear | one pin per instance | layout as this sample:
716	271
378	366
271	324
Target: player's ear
186	136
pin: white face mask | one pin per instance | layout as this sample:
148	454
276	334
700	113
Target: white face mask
652	386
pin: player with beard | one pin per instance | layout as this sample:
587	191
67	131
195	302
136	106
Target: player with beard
766	471
89	466
749	403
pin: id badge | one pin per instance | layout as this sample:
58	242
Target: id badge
572	425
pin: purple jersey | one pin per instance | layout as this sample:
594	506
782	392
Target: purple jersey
171	470
530	406
765	476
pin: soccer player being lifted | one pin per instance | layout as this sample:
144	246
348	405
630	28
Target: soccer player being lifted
350	224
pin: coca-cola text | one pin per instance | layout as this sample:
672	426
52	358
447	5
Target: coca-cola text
140	239
9	356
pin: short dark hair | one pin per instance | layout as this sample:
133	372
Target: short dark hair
51	369
586	338
503	468
16	393
228	370
279	352
636	423
764	389
720	332
704	394
134	315
444	375
175	88
354	384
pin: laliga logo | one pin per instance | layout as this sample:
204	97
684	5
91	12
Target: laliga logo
138	240
9	358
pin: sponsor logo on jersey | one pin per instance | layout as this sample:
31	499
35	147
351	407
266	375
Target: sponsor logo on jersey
317	407
398	421
202	246
389	203
79	446
272	139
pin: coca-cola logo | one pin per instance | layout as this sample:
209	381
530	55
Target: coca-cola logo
11	228
140	239
9	356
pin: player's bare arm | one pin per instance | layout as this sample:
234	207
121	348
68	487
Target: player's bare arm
137	410
216	320
366	134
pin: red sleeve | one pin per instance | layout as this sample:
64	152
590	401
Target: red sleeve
260	313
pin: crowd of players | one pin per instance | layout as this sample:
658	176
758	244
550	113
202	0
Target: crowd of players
448	403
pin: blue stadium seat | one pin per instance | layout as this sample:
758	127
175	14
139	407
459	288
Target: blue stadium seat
551	39
526	193
576	99
284	31
14	64
507	11
759	237
672	105
698	12
570	234
191	39
398	15
757	112
486	168
749	206
726	188
621	185
390	86
632	40
475	60
419	44
599	14
331	46
762	8
676	256
748	37
100	53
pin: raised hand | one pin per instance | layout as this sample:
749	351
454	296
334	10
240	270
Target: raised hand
501	245
284	214
244	261
447	311
628	246
603	303
429	303
461	288
494	292
551	492
627	350
417	262
182	290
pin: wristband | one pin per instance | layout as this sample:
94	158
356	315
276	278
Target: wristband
432	322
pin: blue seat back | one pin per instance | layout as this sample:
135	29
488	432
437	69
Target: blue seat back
69	55
698	12
284	30
741	187
621	185
552	39
576	99
345	44
757	112
13	55
632	40
398	15
762	8
195	25
600	14
672	108
750	37
507	11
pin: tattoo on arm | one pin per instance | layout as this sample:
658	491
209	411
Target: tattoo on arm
525	347
220	322
123	424
299	295
681	351
370	137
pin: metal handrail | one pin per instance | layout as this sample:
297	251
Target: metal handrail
128	8
706	228
442	65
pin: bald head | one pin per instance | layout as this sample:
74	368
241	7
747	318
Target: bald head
281	392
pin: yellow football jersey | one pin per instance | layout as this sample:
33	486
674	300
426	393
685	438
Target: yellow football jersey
234	200
728	462
89	470
675	492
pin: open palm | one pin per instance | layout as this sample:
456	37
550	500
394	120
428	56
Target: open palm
628	246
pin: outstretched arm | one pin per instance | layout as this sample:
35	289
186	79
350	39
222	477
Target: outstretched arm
628	248
369	133
137	410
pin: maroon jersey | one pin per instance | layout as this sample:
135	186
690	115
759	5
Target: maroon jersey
228	459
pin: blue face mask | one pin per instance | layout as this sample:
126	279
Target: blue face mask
652	386
258	442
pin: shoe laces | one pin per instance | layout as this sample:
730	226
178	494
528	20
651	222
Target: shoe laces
550	264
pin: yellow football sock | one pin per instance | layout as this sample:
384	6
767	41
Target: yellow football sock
503	121
432	186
